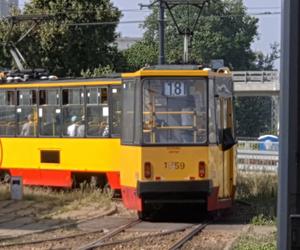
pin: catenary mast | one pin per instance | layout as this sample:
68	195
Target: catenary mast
289	166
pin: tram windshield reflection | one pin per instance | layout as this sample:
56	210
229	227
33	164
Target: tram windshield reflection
175	111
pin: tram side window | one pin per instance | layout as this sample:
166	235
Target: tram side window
49	112
26	113
73	112
97	112
116	111
7	113
212	113
128	116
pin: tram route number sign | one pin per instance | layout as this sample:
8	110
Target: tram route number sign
174	88
175	165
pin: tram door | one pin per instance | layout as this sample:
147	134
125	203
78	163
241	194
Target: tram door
224	121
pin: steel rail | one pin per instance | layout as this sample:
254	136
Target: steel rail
100	244
35	242
119	242
55	227
178	244
109	235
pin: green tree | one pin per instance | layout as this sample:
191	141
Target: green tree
67	49
224	31
266	61
254	113
141	54
253	116
8	34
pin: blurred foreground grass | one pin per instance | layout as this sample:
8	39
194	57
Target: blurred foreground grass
260	190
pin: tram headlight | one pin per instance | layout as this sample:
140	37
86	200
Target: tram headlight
202	169
147	170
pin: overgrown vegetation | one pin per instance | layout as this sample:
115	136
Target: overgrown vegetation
255	241
62	200
259	190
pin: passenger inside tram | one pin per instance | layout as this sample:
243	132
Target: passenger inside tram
81	127
72	128
28	127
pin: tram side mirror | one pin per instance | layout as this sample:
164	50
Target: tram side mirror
226	139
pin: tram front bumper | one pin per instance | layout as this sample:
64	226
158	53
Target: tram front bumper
174	191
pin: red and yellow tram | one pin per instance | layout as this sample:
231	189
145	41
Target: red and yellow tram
177	137
160	135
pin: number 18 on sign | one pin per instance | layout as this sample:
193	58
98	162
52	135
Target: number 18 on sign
174	88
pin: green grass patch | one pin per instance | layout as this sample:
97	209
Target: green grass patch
259	190
254	241
263	220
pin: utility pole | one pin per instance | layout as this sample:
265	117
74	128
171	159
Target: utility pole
289	168
187	32
161	20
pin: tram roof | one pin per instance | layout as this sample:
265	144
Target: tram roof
62	83
173	70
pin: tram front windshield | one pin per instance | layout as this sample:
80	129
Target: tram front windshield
175	111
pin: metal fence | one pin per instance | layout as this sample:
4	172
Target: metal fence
255	156
255	76
253	83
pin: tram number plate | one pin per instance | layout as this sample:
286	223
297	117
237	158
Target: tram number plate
175	165
175	88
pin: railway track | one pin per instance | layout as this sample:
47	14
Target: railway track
178	236
53	228
109	235
34	242
187	237
177	245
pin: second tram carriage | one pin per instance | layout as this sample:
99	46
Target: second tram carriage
176	126
58	133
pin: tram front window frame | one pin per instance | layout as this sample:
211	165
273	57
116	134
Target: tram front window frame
183	120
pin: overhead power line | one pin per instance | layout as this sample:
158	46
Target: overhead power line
143	21
264	8
72	10
138	9
107	23
266	13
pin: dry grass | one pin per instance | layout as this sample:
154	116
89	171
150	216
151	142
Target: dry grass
260	190
256	185
62	200
4	192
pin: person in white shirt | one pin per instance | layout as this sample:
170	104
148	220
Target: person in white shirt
81	127
72	129
104	129
28	127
